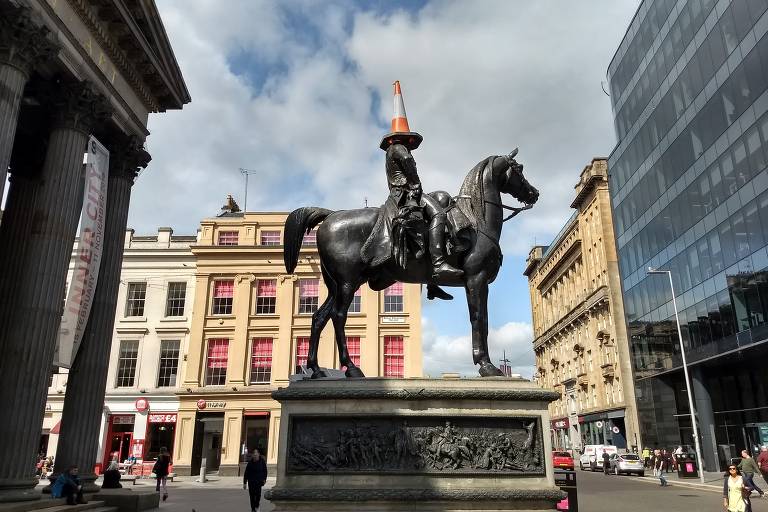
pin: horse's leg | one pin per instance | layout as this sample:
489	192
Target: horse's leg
345	294
319	319
477	301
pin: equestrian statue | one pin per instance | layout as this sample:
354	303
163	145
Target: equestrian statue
434	239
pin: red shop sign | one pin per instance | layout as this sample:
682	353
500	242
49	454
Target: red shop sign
142	405
201	404
162	418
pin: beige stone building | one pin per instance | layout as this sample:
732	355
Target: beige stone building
250	332
580	336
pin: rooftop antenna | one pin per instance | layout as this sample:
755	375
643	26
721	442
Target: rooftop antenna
365	201
505	368
246	173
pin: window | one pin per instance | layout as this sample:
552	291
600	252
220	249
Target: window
228	237
353	348
134	303
177	295
270	238
261	361
310	239
393	298
126	363
169	363
223	291
216	364
393	356
354	306
309	292
266	296
302	351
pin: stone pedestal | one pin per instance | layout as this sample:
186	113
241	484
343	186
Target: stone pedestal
404	444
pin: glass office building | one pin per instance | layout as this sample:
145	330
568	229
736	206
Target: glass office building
689	187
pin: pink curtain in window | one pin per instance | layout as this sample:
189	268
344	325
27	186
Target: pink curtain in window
217	353
267	288
309	288
224	289
261	353
393	345
358	292
395	289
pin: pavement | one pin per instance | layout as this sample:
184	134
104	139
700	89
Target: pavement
597	493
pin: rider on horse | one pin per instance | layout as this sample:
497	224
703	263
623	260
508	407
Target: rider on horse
406	204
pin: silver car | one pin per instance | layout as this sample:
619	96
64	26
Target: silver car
627	463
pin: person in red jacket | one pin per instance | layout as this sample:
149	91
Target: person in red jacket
762	462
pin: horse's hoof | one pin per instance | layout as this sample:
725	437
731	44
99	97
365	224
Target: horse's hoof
318	374
354	373
488	370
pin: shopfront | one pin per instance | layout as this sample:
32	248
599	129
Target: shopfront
161	433
119	438
604	428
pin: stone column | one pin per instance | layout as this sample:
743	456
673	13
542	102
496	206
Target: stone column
86	384
24	43
28	337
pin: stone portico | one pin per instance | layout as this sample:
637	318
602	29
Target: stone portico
69	69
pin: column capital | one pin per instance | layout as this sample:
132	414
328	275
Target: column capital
76	105
24	41
126	156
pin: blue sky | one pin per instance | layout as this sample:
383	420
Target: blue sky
301	92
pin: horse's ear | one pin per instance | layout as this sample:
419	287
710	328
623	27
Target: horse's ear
513	154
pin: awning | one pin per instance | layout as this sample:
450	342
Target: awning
56	428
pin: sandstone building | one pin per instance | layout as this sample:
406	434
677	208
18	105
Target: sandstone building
250	332
580	336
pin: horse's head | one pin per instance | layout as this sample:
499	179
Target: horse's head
512	181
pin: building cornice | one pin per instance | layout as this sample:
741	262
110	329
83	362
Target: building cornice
599	296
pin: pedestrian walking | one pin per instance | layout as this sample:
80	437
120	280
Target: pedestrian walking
735	493
748	467
254	478
606	462
646	457
160	470
67	485
762	462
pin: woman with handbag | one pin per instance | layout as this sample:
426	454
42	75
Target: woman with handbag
735	493
160	469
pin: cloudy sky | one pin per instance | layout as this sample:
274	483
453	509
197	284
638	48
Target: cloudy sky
300	92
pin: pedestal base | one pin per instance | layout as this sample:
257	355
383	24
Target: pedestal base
18	490
406	444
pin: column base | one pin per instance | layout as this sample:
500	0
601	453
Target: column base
19	490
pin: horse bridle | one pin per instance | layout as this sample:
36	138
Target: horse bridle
515	209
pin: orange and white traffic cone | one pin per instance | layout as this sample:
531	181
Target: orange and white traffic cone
400	132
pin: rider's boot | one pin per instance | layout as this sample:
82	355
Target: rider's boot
435	292
440	267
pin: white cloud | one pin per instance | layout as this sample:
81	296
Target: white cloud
478	78
446	354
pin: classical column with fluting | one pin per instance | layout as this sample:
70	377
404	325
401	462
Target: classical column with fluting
86	383
29	336
24	43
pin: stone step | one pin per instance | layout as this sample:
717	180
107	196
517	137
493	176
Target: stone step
55	505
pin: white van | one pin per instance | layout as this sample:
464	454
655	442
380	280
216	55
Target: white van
592	456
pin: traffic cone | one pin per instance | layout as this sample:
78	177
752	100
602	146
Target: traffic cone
400	131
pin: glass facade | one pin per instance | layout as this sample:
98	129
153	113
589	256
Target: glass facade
689	189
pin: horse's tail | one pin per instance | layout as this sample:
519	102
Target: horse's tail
300	221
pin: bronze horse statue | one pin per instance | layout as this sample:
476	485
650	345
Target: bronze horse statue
343	233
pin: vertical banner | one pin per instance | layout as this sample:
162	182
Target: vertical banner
88	256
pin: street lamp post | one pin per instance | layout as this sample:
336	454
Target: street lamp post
652	270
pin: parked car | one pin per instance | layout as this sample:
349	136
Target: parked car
592	456
562	460
626	463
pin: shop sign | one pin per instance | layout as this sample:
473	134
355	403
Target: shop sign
615	430
560	424
211	404
599	424
393	319
137	449
162	418
122	419
142	405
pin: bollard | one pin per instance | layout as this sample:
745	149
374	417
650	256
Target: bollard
565	479
202	471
